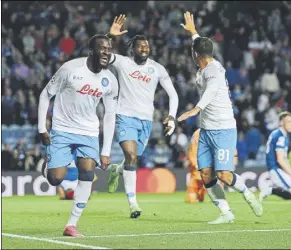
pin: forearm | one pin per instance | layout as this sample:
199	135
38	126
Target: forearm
108	133
44	101
285	166
173	104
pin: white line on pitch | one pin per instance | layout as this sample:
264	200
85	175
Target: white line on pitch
185	233
52	241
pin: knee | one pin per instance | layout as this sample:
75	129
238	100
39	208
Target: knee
206	177
86	175
225	176
130	158
53	179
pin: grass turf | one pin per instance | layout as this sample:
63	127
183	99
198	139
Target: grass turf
106	219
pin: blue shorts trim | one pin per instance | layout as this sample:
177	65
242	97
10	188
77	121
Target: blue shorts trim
282	179
216	148
66	147
133	129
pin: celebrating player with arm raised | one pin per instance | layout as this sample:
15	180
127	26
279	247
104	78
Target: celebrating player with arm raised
218	134
138	78
277	161
78	86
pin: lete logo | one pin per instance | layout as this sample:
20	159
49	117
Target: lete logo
139	76
86	90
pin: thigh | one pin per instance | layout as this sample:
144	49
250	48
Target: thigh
126	129
143	136
60	152
224	146
87	148
129	147
280	179
204	155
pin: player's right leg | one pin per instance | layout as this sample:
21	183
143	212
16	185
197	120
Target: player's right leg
214	190
224	144
58	157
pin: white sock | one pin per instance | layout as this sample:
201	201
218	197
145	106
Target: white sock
129	178
217	196
81	197
239	185
120	167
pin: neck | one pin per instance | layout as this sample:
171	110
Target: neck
139	61
284	131
203	63
92	65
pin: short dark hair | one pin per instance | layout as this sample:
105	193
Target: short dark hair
203	46
132	42
92	40
283	114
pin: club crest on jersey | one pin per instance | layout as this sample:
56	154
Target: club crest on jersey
151	70
122	133
86	90
142	77
104	82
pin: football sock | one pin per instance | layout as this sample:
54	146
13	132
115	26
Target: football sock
217	195
281	193
239	185
120	167
81	197
129	178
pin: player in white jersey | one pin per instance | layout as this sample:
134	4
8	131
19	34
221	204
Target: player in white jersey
218	134
138	78
79	85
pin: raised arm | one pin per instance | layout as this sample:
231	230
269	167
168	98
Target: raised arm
189	25
115	30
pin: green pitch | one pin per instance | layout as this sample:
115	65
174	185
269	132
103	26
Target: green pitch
166	222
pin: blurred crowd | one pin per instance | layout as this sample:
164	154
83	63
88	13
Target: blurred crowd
251	40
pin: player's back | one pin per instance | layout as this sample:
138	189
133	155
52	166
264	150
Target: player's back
78	92
276	141
137	86
218	114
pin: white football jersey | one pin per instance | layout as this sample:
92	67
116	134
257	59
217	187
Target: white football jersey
138	84
78	92
216	107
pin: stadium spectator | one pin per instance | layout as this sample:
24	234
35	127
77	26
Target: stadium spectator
254	46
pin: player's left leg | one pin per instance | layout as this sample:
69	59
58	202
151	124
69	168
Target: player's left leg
87	153
225	145
281	185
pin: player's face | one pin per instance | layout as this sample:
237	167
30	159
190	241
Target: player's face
142	49
287	123
102	52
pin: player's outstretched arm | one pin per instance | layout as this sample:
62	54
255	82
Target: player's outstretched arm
166	83
44	100
188	114
116	26
110	104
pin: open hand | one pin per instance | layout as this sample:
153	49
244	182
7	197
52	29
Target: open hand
117	25
189	23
